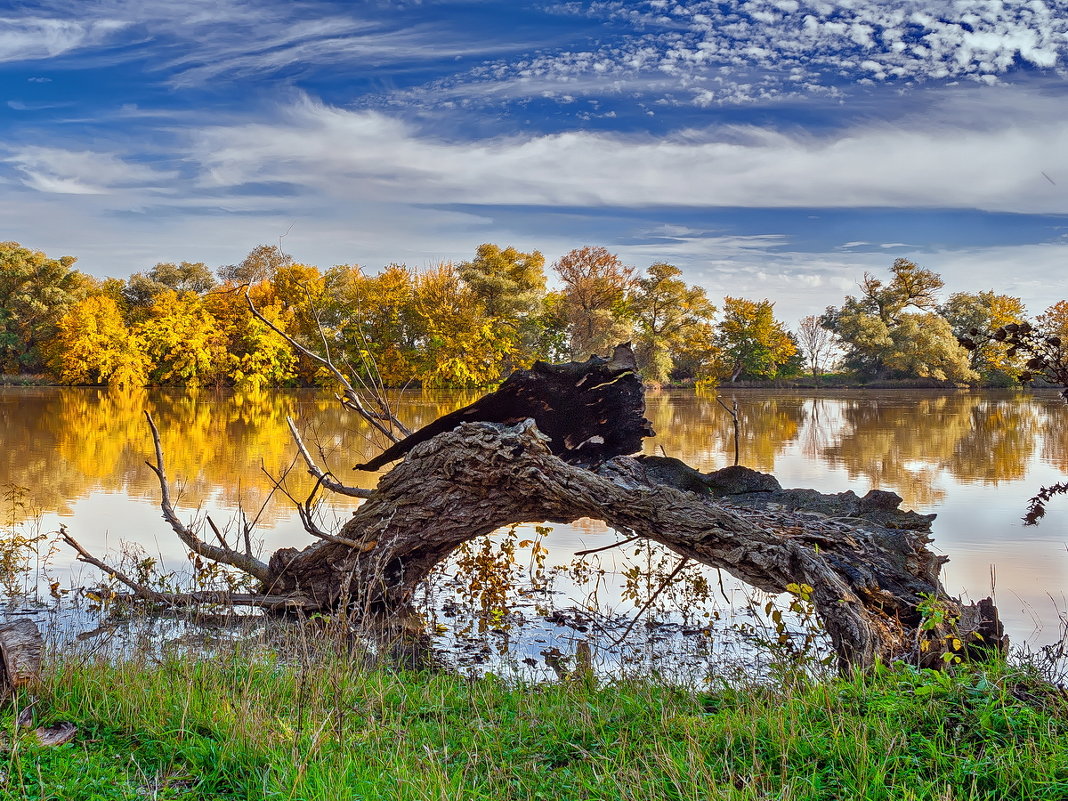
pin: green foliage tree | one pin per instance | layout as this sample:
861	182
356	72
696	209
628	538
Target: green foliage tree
35	292
753	343
369	322
594	300
509	287
878	332
664	309
970	313
506	283
142	288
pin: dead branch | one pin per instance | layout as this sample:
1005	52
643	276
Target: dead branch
350	398
305	513
196	598
650	601
139	590
223	554
327	479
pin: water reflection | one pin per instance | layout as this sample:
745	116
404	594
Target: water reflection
65	444
80	454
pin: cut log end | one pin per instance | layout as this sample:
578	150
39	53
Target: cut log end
21	647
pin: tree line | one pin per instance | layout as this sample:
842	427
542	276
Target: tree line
471	323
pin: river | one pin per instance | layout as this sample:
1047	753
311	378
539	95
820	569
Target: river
76	456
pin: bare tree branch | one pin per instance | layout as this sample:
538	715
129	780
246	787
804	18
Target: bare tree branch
652	599
140	590
304	511
349	398
224	554
326	478
198	598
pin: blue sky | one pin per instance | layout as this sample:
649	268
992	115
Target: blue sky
775	148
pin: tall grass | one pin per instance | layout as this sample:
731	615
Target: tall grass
324	723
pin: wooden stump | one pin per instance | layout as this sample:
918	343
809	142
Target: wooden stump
20	656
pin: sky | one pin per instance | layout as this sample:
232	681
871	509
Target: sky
770	149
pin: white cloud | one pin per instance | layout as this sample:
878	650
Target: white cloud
794	47
367	154
54	170
29	38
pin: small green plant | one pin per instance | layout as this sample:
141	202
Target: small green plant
935	616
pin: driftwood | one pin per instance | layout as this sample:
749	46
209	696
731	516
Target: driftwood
554	444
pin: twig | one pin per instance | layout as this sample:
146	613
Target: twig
140	590
226	555
326	478
652	598
734	415
221	597
606	547
350	397
304	511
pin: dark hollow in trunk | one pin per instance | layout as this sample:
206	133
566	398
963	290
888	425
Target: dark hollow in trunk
590	411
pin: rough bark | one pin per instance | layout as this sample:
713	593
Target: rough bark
868	573
20	656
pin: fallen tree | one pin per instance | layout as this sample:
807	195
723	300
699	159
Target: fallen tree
555	444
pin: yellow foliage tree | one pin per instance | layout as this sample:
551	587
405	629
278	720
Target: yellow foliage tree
460	344
184	341
93	345
752	341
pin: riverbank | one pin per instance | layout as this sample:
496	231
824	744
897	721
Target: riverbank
329	726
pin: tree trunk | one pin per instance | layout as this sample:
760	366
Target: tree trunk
867	576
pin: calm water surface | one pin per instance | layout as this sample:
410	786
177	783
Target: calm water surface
76	457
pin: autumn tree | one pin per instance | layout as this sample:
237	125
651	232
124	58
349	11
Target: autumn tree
816	345
459	344
664	309
698	355
369	322
1053	322
509	286
970	313
879	332
94	345
183	340
506	283
35	292
255	357
753	342
594	299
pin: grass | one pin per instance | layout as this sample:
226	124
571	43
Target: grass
239	726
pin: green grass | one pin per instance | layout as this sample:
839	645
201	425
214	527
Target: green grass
233	727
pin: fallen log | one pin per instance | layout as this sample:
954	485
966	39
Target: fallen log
555	444
869	579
